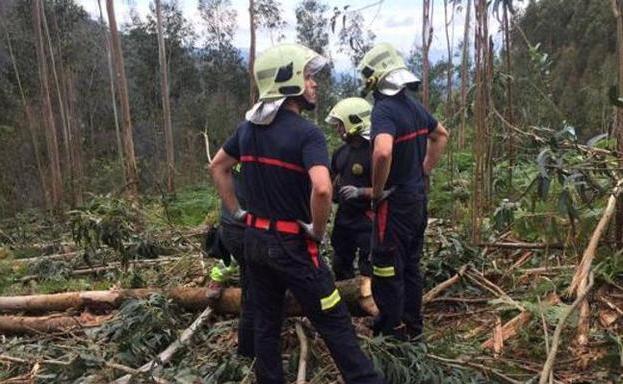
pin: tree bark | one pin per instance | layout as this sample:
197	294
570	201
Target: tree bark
509	96
166	106
49	324
111	73
252	85
188	298
464	75
450	71
481	145
76	139
618	124
56	181
130	169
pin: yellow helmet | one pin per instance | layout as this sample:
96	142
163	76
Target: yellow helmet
354	113
280	70
378	63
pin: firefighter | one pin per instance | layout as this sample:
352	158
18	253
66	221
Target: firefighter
350	170
285	169
407	143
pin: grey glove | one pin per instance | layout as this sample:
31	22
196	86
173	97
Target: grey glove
384	195
308	229
348	192
239	215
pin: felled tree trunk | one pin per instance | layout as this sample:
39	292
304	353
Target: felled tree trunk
49	324
188	298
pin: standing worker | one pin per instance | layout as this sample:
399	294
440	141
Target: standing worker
407	143
285	169
350	169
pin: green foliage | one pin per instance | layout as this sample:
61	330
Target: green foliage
194	205
142	329
408	363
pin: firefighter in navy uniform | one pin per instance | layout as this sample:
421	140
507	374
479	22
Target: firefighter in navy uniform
350	170
285	169
407	142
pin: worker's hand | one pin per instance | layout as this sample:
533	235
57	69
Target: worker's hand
308	230
348	192
240	215
376	201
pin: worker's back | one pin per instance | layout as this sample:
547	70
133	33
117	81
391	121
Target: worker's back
275	159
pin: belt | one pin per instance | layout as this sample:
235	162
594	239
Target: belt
284	226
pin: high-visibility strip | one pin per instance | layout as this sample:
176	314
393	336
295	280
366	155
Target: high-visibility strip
381	219
271	161
330	301
383	271
312	249
411	136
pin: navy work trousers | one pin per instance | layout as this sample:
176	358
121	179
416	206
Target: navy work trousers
397	244
349	243
232	237
278	262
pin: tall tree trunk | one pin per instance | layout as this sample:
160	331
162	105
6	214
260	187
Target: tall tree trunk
56	181
30	121
76	139
450	71
465	74
481	144
252	85
427	39
59	96
166	109
509	97
130	169
111	73
617	6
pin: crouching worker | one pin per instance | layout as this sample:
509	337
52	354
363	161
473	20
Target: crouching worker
285	168
350	170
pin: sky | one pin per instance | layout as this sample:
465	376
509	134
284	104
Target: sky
398	22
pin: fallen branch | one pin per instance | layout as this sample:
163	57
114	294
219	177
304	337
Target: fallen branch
480	280
520	245
166	355
581	275
512	327
434	292
551	356
301	374
579	283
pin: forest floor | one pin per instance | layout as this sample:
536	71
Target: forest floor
493	321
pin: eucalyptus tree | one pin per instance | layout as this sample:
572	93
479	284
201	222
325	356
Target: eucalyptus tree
617	7
130	168
354	39
465	73
56	181
427	40
166	105
507	12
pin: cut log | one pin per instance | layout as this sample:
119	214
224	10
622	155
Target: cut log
436	291
49	324
195	299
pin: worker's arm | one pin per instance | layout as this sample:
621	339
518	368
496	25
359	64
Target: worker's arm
381	162
221	171
437	140
320	201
